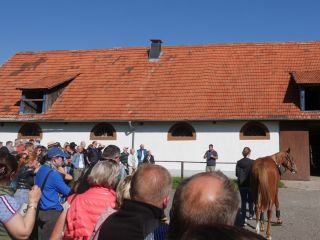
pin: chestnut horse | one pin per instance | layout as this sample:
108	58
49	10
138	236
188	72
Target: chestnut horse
265	176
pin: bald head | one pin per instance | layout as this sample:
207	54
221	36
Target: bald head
151	184
205	198
208	193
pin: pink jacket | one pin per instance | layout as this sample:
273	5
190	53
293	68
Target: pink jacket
85	209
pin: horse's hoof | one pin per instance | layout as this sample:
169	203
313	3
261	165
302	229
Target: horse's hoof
279	222
268	237
262	229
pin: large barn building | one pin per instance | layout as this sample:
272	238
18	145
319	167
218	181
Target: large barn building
174	99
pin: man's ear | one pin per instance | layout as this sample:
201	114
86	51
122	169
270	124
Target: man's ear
165	201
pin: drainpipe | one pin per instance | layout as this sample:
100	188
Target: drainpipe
132	132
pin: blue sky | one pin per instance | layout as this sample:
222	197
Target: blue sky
35	25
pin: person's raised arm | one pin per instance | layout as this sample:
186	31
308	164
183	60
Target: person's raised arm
66	176
21	227
205	155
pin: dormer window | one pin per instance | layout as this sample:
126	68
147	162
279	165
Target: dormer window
309	89
32	102
38	96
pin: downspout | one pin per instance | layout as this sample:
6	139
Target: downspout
132	131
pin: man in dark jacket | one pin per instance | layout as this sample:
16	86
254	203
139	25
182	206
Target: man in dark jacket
140	217
243	171
95	152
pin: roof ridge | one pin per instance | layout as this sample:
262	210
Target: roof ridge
173	46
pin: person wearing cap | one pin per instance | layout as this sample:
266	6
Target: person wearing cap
52	181
211	155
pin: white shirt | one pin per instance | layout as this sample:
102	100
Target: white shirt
132	162
81	161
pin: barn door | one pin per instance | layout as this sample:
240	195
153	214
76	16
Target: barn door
296	136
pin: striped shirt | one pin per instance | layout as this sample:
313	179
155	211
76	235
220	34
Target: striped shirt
8	208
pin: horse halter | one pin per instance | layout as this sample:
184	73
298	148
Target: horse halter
288	159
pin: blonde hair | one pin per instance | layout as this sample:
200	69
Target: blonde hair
123	190
104	173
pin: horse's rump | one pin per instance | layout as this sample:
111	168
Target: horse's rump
260	185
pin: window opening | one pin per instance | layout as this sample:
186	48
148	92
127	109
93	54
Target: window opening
254	130
103	131
181	131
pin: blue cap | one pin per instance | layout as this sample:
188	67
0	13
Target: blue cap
56	152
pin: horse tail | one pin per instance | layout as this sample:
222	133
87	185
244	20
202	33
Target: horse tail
263	191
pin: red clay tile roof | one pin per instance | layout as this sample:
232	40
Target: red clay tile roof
208	82
48	82
309	77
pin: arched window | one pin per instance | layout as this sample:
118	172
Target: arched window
103	131
254	131
30	131
181	131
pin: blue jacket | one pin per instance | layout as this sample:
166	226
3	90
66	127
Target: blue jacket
76	160
50	199
139	154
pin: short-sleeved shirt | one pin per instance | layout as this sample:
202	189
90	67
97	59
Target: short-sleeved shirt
211	157
8	208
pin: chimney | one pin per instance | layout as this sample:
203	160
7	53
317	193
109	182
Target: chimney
155	49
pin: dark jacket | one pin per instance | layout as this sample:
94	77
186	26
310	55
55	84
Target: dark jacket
94	154
83	184
135	220
25	177
243	171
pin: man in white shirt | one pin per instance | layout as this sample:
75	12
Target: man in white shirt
78	163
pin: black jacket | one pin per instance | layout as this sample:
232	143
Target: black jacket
134	221
243	171
25	177
94	154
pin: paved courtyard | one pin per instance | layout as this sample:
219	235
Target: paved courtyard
300	211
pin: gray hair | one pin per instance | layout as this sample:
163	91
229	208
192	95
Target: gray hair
105	173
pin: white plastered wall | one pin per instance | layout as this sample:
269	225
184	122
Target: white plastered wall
223	135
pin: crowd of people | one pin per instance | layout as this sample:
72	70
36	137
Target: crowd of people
72	191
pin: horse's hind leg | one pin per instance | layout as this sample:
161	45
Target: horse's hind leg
257	219
269	224
279	221
262	220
